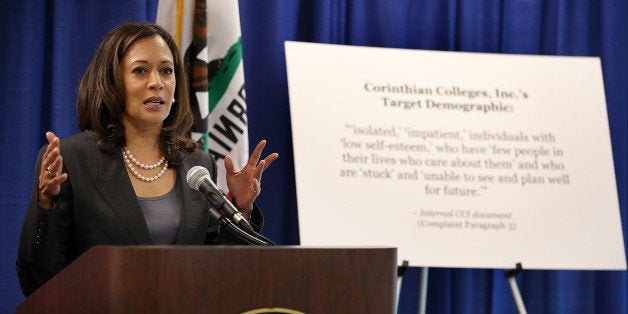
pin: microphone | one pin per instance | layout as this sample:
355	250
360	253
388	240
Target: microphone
199	179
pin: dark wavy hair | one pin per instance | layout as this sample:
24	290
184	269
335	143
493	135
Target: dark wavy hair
101	95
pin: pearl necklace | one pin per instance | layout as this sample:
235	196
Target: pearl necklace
129	160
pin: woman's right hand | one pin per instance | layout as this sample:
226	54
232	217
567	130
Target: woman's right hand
50	176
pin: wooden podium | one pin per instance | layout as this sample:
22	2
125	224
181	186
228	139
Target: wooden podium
222	279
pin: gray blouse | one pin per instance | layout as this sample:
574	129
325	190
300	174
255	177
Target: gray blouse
162	214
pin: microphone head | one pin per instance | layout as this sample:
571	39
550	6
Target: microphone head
196	175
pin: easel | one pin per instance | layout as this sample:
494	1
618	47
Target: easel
401	270
422	285
509	274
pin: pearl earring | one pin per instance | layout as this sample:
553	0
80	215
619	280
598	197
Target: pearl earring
173	100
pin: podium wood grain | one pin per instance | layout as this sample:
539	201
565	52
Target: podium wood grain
223	279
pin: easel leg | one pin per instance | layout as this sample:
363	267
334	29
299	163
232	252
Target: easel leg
423	290
510	274
401	270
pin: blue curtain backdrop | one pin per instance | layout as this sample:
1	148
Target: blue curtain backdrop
46	46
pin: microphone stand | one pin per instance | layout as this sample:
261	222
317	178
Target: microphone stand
250	237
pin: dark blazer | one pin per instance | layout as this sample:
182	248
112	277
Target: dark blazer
98	206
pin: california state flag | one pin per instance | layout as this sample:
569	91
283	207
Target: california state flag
208	35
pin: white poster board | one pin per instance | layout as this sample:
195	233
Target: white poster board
458	159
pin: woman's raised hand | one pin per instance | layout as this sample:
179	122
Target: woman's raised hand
50	176
245	185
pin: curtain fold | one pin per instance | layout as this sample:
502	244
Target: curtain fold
48	44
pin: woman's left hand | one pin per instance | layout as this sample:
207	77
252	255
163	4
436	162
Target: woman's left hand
245	185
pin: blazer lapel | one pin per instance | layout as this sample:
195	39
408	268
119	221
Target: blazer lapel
115	187
192	207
